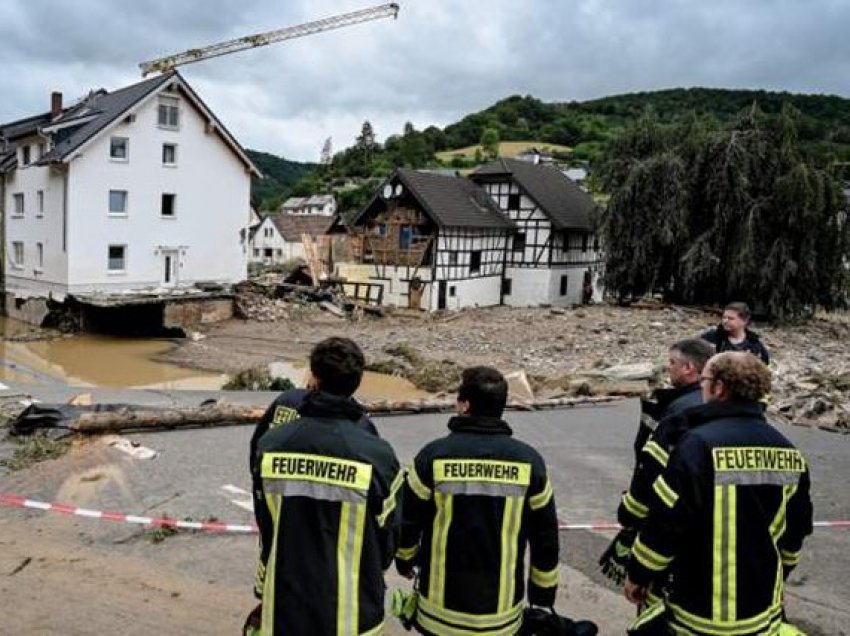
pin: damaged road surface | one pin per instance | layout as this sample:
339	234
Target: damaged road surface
75	575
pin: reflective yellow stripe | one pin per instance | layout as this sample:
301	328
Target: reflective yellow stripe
478	622
421	490
348	549
406	554
275	504
378	629
789	558
501	472
659	454
438	627
724	593
647	615
390	501
511	522
765	622
542	498
322	469
544	578
439	538
635	507
649	558
260	577
663	490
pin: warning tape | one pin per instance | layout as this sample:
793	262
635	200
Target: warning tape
16	501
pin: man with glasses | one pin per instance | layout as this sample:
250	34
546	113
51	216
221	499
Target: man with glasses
728	516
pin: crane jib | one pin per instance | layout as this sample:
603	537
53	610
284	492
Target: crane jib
169	62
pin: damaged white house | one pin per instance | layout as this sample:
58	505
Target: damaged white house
141	189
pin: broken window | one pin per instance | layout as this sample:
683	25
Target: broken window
475	262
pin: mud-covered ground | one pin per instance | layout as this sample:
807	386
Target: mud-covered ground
811	362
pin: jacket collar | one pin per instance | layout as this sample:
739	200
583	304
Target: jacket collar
666	395
719	410
479	424
327	405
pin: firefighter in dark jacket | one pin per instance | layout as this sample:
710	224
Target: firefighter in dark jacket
729	513
327	515
733	335
659	428
472	501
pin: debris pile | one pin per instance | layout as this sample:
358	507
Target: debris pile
434	376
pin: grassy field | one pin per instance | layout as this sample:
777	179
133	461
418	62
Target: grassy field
506	149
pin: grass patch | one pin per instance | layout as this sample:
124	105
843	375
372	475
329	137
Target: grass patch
33	449
506	149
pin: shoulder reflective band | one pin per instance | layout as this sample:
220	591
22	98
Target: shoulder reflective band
541	499
421	490
753	465
331	471
284	415
500	472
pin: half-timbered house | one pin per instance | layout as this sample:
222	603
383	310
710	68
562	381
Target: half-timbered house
555	251
433	241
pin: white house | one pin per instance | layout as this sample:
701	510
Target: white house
321	204
555	250
141	188
278	237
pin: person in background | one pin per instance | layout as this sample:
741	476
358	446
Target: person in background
733	334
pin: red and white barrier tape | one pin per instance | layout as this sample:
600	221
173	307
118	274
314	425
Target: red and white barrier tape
16	501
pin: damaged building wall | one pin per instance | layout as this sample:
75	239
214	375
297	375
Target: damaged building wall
197	312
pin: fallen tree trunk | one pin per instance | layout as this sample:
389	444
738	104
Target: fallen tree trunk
219	414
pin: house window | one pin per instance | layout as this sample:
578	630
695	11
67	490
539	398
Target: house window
595	243
267	252
118	202
519	242
585	242
507	286
452	291
169	154
41	150
117	258
40	202
475	262
167	205
268	232
278	253
168	113
256	252
18	253
405	237
564	280
25	155
513	202
39	255
19	203
119	148
452	258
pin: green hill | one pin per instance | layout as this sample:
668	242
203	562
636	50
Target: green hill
280	177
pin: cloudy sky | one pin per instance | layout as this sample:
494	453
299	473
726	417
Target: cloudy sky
440	60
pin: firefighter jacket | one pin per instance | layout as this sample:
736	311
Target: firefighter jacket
472	501
327	521
727	521
655	451
751	343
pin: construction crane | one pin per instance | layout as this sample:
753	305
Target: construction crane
165	64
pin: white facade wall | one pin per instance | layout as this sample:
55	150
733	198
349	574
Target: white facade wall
212	189
36	227
396	283
475	292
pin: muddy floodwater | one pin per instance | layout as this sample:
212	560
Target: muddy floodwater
90	360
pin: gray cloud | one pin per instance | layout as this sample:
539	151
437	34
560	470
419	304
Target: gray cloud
439	61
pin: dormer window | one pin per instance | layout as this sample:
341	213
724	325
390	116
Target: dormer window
168	113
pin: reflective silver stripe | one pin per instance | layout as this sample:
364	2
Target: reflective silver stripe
724	552
439	538
480	488
313	490
650	422
275	505
349	544
510	540
757	477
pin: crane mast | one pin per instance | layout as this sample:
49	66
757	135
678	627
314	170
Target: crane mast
167	63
